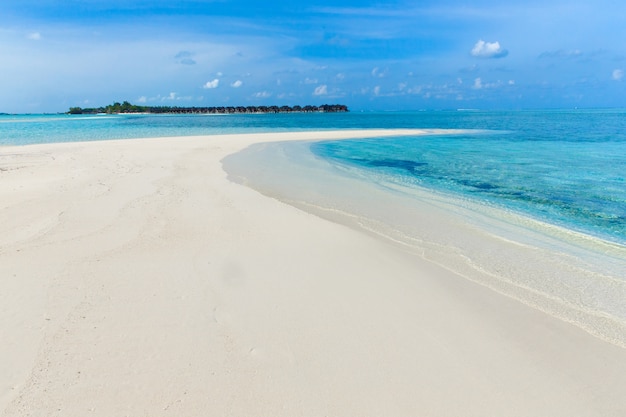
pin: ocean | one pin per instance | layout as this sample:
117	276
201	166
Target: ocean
566	167
529	203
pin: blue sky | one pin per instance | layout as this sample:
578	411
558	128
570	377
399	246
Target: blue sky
390	55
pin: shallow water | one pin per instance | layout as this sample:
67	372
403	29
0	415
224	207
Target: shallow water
566	167
578	184
530	203
571	275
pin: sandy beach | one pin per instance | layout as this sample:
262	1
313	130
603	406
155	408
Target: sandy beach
136	279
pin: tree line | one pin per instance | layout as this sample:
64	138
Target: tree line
126	107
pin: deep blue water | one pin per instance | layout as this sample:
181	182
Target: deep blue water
566	167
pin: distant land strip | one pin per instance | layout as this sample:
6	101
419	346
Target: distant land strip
126	107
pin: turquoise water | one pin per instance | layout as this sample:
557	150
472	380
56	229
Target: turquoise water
567	169
32	129
468	201
563	167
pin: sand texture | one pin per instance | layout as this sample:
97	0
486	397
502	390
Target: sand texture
137	280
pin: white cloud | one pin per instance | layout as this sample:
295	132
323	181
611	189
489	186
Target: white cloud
484	49
618	74
142	99
263	94
310	80
172	96
377	90
35	36
341	76
237	84
212	84
478	84
321	90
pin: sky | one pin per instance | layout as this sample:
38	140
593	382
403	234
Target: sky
369	55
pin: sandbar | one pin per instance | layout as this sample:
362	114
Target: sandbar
137	279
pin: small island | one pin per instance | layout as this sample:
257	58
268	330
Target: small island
126	107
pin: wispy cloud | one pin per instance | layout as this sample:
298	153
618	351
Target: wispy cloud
479	84
321	90
446	12
617	74
35	36
469	70
561	54
484	49
237	84
173	96
185	58
377	72
262	94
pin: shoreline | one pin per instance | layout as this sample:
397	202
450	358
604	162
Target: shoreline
570	275
141	280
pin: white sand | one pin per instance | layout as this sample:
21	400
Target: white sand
136	280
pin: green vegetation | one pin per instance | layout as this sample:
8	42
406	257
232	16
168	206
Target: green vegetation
114	108
126	107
